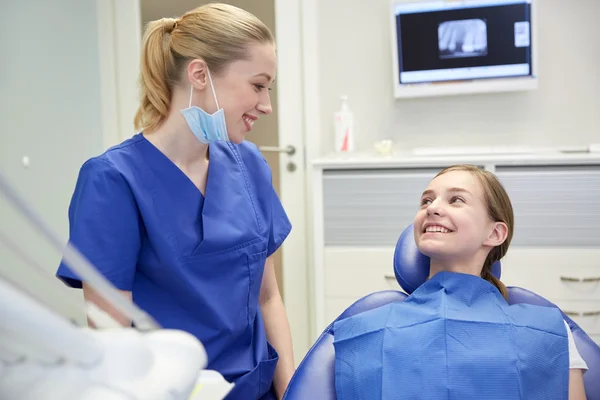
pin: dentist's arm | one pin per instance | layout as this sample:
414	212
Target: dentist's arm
277	327
91	296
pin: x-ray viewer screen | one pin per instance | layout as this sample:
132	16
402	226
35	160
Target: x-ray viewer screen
449	41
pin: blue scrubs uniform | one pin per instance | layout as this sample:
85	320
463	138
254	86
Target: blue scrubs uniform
193	262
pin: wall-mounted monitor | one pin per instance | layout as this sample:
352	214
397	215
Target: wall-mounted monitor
459	47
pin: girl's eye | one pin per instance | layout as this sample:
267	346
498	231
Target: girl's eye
425	201
457	199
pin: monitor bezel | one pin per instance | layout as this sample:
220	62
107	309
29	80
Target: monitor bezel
446	88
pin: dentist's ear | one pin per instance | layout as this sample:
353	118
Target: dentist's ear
197	73
497	235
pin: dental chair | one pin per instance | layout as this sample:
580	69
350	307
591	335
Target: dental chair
314	378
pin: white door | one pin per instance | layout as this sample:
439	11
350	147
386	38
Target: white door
122	19
50	123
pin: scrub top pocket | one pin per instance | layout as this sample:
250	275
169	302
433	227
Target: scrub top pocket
256	263
267	368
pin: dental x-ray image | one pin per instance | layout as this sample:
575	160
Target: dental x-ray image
465	38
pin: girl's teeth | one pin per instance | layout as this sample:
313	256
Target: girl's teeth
436	229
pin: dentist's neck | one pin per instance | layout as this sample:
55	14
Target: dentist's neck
174	138
177	142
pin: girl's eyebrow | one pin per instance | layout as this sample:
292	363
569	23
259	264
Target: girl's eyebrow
457	189
453	189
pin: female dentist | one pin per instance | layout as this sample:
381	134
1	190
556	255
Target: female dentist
183	217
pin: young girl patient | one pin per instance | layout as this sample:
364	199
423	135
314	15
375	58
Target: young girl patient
456	337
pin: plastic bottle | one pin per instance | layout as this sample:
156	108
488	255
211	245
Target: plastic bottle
344	128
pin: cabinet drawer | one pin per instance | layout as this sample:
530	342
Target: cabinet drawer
371	207
554	273
554	206
585	313
354	273
565	277
551	273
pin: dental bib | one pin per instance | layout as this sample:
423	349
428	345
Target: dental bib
457	338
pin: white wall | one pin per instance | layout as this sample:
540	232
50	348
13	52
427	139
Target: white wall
50	112
354	58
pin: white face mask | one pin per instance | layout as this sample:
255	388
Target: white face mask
206	127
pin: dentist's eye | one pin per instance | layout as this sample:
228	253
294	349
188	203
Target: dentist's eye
259	88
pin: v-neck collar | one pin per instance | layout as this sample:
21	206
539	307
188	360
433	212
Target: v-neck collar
178	171
227	218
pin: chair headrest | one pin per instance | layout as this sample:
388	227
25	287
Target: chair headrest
411	267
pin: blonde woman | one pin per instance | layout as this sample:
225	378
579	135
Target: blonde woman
182	217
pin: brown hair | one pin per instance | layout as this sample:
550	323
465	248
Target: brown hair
216	33
499	209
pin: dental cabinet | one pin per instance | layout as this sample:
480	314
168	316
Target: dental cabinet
362	202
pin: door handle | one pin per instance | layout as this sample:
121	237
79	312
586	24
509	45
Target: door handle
289	150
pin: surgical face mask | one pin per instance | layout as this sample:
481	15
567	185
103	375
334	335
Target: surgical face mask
206	127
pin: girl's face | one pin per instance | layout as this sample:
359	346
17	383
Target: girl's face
453	225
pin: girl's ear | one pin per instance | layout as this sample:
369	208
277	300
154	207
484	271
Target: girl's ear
497	235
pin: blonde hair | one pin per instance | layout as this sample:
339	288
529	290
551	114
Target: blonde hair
499	209
216	33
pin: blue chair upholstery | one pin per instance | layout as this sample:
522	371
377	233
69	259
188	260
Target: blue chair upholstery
314	378
411	267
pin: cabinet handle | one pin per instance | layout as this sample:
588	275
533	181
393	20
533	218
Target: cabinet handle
572	313
390	277
596	279
584	280
582	314
591	313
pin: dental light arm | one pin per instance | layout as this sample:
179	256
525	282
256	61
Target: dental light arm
79	264
43	356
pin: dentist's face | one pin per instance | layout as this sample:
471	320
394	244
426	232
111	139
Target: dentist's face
243	90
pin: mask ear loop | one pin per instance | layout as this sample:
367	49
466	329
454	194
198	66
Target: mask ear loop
213	89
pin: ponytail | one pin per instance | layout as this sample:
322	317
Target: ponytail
486	273
157	65
216	33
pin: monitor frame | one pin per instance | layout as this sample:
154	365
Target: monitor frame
447	88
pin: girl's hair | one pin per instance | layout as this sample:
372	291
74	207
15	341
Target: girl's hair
499	209
216	33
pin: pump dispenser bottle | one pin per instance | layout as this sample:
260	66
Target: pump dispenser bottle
344	128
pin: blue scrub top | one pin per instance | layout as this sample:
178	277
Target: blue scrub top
193	262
